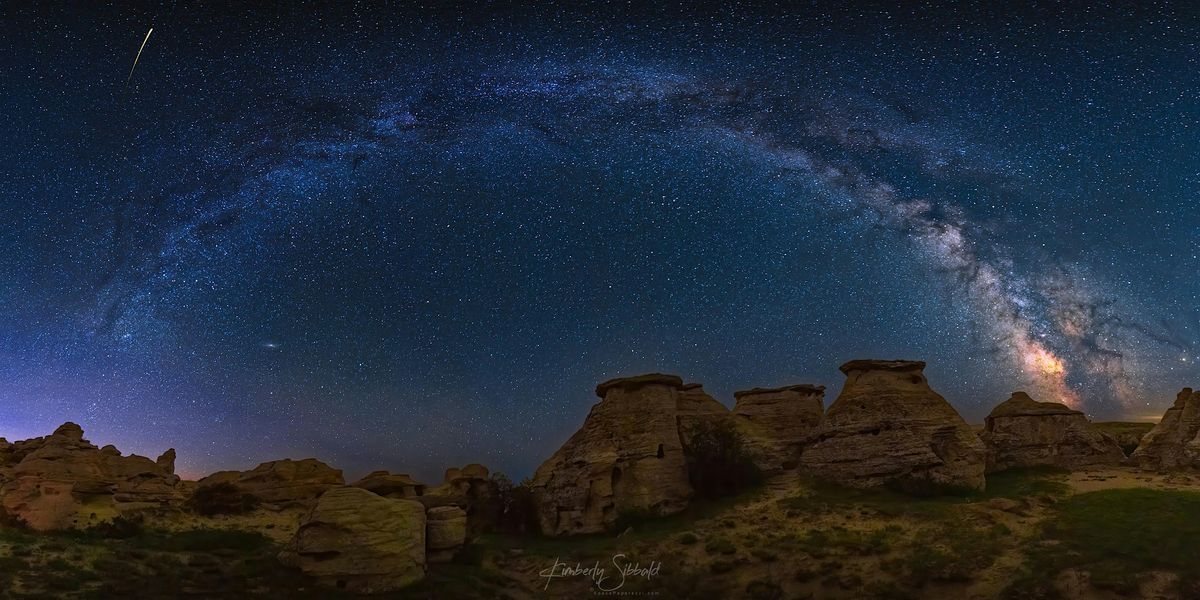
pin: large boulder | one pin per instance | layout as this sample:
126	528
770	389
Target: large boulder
1175	442
360	542
63	481
445	532
282	482
889	427
778	422
1022	432
626	459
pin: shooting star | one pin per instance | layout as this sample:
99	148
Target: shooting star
139	55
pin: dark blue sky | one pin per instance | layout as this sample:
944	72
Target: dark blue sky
411	239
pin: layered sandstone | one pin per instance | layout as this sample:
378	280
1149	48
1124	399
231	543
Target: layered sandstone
63	481
360	542
695	408
778	422
889	427
626	459
1175	442
282	482
446	532
1022	432
391	485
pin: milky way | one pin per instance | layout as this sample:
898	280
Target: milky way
409	241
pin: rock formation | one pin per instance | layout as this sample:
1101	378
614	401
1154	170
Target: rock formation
282	482
360	542
471	489
1175	442
1022	432
889	427
390	485
626	459
694	408
446	532
778	422
62	481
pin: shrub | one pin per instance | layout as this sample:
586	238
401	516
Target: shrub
719	461
687	538
222	499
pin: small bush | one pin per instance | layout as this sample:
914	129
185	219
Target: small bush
720	546
687	538
763	590
719	461
222	499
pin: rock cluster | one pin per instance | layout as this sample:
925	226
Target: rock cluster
360	542
383	483
471	489
626	459
282	482
1022	432
889	427
778	422
446	532
1175	442
62	481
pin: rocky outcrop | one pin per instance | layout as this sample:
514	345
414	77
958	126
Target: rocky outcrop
471	489
1022	432
282	482
626	459
391	485
360	542
166	461
62	481
695	408
446	532
1175	442
889	427
778	422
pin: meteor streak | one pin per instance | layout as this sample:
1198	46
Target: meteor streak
139	55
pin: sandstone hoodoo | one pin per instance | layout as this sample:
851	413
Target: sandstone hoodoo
696	407
889	427
1175	442
1022	432
282	482
62	481
778	422
360	542
626	459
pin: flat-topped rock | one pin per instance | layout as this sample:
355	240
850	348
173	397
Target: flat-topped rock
882	365
778	422
1175	442
637	381
888	426
391	485
1022	432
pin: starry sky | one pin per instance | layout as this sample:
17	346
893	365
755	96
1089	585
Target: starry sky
409	238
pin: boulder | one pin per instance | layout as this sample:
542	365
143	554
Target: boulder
1022	432
62	481
1175	442
694	408
166	460
778	422
445	532
399	485
889	427
626	459
360	542
282	481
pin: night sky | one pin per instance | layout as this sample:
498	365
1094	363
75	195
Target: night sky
413	238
